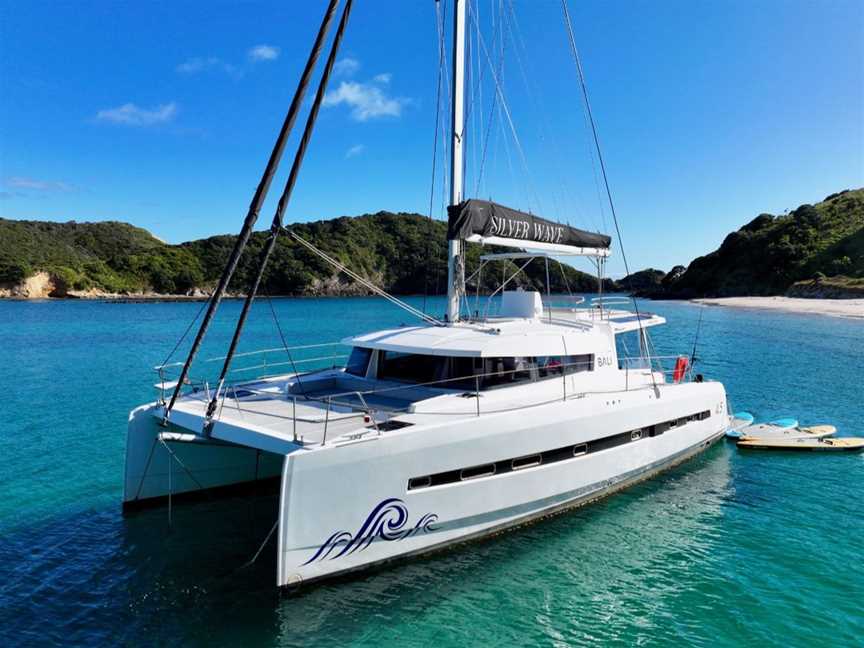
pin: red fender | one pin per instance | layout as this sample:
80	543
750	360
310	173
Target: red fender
680	369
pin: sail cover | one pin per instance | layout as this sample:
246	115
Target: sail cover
485	221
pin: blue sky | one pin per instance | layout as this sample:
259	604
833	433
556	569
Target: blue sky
163	114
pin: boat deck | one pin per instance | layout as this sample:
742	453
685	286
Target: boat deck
268	422
268	415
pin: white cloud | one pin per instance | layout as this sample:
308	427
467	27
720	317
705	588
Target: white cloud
197	64
264	53
357	149
346	66
367	101
133	115
201	64
382	78
18	182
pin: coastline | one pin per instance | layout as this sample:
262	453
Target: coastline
112	298
849	308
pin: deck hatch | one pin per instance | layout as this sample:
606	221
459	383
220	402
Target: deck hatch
392	424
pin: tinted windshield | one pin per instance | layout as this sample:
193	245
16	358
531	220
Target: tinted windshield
411	367
471	373
358	361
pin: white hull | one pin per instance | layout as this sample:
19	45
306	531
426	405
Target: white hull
330	526
544	509
151	474
347	506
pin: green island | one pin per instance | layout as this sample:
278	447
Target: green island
815	250
404	253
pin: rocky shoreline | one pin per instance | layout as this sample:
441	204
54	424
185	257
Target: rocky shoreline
44	285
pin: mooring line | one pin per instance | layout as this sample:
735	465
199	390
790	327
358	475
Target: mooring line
263	544
146	468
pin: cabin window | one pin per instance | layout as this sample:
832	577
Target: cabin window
504	372
551	366
476	472
411	367
419	482
578	363
629	349
660	428
358	361
543	458
461	373
453	372
526	462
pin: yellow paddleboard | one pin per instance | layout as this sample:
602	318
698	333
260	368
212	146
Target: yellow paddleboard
847	444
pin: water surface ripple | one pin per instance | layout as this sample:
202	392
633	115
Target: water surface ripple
729	549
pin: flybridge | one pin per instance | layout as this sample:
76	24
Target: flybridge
481	221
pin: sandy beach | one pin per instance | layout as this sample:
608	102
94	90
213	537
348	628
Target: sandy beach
834	307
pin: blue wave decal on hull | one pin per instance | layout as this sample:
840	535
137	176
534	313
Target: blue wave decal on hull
387	521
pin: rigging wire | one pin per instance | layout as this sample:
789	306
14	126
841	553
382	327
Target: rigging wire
186	332
503	104
505	143
479	113
564	275
499	44
567	192
470	111
284	342
446	102
467	128
363	281
445	136
438	22
696	337
489	123
492	107
534	97
584	87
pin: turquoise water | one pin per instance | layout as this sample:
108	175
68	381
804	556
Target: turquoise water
729	549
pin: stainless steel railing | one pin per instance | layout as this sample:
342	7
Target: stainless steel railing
264	359
361	406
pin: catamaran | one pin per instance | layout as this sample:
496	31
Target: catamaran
435	434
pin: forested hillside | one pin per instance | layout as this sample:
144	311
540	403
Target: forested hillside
813	249
403	253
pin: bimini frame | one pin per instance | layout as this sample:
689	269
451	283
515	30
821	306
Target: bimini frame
598	256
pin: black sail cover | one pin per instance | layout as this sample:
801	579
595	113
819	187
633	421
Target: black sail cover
486	218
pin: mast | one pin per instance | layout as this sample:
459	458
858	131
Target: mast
455	261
